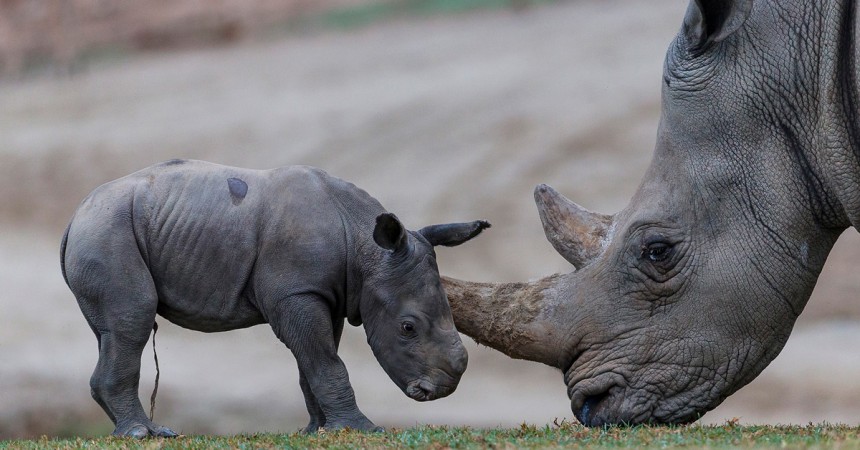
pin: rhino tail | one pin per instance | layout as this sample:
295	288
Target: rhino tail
157	374
63	252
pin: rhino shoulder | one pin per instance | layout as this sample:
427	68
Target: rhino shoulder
313	179
300	174
315	184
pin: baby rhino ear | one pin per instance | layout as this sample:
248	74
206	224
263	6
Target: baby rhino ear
451	234
389	232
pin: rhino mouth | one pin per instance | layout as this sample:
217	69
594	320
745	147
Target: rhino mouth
589	413
592	400
423	390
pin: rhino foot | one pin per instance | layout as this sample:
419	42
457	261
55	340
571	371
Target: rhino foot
363	425
312	428
141	431
161	431
136	431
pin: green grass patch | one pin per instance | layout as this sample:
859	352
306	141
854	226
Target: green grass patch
564	435
362	15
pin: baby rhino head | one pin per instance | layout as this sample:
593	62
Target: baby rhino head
405	311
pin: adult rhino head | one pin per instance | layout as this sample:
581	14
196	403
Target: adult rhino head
684	296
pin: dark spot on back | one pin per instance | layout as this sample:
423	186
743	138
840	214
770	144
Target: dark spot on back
174	162
238	190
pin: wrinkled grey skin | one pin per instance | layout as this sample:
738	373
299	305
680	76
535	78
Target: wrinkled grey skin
687	294
215	248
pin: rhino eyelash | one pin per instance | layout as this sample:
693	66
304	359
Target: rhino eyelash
656	252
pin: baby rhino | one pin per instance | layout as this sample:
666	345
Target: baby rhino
215	248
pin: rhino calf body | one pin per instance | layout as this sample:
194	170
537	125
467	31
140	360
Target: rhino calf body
216	248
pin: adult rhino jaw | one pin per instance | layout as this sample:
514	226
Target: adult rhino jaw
687	294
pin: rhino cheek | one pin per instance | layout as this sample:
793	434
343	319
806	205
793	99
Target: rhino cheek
400	366
390	352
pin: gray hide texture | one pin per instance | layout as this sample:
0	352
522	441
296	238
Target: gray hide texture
685	296
215	248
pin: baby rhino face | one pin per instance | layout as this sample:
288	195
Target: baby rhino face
405	311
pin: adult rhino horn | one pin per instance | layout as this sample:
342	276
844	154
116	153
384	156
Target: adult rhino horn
528	320
578	234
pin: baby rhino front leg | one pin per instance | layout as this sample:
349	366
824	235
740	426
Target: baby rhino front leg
304	324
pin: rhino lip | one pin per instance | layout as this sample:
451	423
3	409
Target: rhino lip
588	399
422	390
590	405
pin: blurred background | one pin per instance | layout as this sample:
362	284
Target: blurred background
444	110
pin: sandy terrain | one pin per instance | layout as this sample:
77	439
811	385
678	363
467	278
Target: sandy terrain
443	119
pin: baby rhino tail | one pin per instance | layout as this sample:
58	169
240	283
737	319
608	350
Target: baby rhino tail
63	252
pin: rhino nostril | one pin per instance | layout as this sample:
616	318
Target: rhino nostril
420	391
586	414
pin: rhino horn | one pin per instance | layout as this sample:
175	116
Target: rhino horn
521	320
576	233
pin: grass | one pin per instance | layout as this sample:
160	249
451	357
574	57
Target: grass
340	18
564	435
372	12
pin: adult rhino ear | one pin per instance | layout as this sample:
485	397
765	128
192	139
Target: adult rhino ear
709	21
452	234
389	232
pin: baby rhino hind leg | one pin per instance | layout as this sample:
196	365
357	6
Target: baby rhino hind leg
118	298
115	384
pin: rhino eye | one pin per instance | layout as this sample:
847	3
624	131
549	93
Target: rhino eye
407	327
657	251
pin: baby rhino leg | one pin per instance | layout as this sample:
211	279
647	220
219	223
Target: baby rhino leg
304	324
318	419
314	410
118	298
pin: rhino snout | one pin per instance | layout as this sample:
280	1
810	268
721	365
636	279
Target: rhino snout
459	359
443	380
423	390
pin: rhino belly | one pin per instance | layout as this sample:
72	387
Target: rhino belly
210	314
205	287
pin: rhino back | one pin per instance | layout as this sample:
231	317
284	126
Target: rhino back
218	240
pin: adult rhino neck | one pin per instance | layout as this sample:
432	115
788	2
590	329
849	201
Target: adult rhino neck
840	108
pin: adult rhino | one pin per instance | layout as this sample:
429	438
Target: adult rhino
687	294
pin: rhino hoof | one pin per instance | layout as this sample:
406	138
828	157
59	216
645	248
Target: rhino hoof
364	426
312	428
141	431
137	431
164	432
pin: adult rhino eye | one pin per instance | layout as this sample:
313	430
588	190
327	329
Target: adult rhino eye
657	251
407	327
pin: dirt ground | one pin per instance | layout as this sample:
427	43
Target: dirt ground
442	119
39	35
